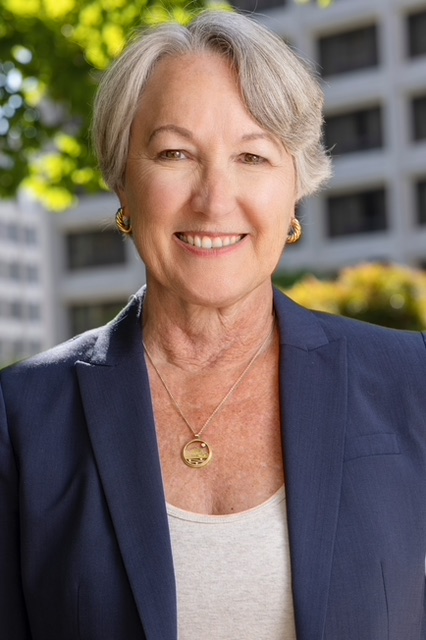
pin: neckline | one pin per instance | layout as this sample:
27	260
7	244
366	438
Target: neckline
193	516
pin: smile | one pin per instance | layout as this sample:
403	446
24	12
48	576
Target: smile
210	242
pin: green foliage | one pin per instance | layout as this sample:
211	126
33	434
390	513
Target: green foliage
392	296
52	53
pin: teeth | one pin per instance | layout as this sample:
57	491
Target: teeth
207	242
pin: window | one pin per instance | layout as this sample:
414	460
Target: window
355	131
30	235
421	201
89	316
13	232
33	311
362	212
348	51
95	249
417	34
15	271
419	118
16	309
31	273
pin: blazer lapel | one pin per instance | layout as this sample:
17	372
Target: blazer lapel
313	392
115	391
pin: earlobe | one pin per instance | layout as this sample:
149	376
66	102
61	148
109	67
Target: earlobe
123	222
295	231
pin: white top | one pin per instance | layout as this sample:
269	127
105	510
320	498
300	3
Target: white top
233	573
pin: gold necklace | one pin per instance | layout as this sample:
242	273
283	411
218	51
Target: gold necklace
197	453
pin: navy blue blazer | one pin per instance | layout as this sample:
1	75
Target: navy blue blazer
84	544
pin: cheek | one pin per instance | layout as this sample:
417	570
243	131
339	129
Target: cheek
278	213
160	198
278	207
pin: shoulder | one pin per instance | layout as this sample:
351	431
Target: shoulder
395	354
359	331
98	345
60	356
38	383
338	326
44	392
365	341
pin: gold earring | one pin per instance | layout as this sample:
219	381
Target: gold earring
295	232
122	222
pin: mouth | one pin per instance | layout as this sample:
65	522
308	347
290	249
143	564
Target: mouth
210	242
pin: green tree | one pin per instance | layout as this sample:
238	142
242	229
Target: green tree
388	295
52	53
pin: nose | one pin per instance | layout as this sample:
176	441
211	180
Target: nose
214	193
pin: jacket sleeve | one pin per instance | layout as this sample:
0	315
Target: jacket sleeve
13	616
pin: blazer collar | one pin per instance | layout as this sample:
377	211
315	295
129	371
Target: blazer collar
298	327
313	384
114	387
115	390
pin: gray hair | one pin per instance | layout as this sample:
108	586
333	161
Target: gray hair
278	89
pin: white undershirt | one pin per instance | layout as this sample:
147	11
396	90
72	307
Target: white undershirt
233	573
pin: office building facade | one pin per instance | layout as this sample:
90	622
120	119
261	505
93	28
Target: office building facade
61	274
371	57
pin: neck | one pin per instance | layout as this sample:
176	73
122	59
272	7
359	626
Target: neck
194	337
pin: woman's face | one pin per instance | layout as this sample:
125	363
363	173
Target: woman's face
209	192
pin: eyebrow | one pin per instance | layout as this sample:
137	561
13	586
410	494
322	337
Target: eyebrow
262	136
185	133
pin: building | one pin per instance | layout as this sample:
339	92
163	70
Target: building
94	269
61	274
371	55
25	313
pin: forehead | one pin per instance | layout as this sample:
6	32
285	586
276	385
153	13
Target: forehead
192	89
190	68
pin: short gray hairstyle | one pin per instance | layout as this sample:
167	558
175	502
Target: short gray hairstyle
279	90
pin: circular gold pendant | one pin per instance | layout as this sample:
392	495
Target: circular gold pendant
197	453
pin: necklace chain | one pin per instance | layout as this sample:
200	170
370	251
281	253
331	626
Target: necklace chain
198	433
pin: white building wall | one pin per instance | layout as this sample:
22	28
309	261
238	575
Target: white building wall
25	316
397	165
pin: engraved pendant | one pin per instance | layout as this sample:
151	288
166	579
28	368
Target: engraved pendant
197	453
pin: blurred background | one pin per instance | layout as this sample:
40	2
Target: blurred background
64	268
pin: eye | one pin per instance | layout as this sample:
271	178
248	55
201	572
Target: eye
172	154
252	158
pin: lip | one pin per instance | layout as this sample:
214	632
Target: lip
210	241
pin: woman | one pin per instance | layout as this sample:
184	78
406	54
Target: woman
143	464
